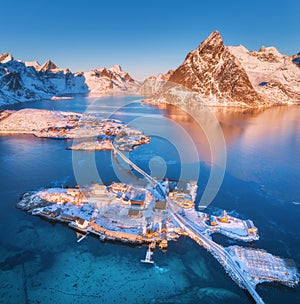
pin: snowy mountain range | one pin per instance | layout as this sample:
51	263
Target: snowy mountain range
219	75
24	81
213	74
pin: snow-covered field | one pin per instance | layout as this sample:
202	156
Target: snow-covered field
262	266
34	120
63	125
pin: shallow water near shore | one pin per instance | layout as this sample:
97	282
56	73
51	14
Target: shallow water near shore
41	262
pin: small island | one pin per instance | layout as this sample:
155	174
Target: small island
132	214
91	133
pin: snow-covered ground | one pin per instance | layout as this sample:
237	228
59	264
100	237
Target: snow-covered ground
62	125
25	120
272	74
261	266
234	228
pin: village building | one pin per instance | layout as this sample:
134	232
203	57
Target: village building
161	205
134	213
99	189
250	227
81	223
67	217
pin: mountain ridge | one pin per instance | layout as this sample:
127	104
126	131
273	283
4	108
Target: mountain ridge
212	75
27	81
217	75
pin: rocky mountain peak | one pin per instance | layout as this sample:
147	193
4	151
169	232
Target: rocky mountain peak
34	64
216	74
48	65
268	54
269	49
212	43
116	68
5	57
212	40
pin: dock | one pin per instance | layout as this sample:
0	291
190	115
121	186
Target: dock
83	237
149	254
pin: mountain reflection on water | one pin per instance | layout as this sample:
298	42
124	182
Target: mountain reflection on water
263	145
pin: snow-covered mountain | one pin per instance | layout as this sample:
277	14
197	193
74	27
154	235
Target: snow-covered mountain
212	74
154	84
110	80
215	74
23	81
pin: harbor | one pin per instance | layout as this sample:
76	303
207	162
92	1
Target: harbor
156	214
138	216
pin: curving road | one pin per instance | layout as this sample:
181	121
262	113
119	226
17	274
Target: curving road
218	251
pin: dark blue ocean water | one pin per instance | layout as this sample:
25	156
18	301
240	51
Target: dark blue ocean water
42	262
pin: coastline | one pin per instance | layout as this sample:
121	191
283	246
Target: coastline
239	107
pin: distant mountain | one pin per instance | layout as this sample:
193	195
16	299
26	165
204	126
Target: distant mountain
49	66
23	81
35	64
215	74
6	57
110	80
154	84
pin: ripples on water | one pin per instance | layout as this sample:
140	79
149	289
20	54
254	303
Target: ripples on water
42	262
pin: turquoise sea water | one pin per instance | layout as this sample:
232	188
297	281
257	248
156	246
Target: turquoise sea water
41	262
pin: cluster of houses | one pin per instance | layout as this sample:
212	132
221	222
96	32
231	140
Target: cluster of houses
225	221
133	196
129	138
185	197
117	212
105	131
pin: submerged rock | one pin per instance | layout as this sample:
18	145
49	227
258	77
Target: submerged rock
210	294
17	259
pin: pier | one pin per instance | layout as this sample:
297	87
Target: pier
83	237
149	254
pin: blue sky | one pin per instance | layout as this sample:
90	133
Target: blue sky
144	37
